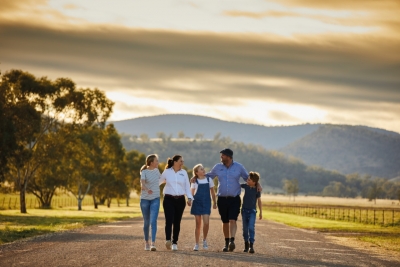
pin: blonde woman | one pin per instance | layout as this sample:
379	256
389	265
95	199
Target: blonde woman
150	199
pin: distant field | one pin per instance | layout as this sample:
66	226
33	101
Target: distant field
11	201
334	201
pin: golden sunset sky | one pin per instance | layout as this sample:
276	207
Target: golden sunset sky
277	62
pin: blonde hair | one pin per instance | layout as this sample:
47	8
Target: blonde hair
254	176
149	160
196	168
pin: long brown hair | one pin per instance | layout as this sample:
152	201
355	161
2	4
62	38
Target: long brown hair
149	159
170	161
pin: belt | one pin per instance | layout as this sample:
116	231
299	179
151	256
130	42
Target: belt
176	197
228	196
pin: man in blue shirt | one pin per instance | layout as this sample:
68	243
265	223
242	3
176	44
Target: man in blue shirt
229	173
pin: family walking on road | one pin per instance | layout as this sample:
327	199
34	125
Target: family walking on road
199	192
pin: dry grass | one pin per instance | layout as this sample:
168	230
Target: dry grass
334	201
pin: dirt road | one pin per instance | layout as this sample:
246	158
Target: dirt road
121	244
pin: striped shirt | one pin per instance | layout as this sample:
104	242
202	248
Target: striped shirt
150	178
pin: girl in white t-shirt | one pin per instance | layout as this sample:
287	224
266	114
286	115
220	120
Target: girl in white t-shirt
201	206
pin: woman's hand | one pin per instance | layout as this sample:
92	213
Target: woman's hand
189	202
214	205
150	191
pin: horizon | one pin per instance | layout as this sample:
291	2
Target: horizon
305	123
269	63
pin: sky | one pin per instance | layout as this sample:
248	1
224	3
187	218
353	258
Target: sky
272	63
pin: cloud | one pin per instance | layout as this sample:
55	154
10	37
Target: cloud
383	13
350	73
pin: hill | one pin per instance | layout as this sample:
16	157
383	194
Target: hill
270	138
350	149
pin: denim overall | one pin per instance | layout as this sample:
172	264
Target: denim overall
202	200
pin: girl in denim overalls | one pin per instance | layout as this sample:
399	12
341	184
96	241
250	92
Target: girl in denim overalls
201	206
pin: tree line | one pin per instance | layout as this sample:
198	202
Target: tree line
276	169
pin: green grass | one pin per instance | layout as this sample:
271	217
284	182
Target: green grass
386	237
14	225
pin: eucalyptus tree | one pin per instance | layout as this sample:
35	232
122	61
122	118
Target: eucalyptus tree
37	107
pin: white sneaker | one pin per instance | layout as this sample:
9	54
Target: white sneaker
168	244
147	247
174	247
196	247
153	248
205	245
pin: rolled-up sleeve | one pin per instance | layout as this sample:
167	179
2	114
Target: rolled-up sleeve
244	173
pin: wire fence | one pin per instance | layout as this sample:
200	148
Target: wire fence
13	202
375	216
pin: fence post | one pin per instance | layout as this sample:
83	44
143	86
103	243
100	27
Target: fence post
374	217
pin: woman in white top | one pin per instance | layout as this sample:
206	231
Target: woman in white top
150	199
177	185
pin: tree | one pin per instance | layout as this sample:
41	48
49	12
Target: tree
37	107
48	177
375	189
291	187
135	160
181	134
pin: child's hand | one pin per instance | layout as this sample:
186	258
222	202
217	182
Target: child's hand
150	192
193	179
260	216
214	206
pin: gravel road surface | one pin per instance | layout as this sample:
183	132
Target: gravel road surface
121	244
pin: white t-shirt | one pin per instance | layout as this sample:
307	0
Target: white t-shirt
201	181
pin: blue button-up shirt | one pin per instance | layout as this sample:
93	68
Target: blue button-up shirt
228	178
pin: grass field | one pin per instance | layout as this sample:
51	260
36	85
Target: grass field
14	225
334	201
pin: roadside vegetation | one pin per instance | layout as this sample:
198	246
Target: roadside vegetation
15	225
381	236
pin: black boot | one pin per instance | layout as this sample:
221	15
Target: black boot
246	247
251	250
225	249
232	244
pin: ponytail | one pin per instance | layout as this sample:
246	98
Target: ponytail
143	168
170	161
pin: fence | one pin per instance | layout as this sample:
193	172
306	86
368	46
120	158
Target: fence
375	216
12	202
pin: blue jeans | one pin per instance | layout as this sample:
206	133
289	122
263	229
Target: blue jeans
150	210
248	222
